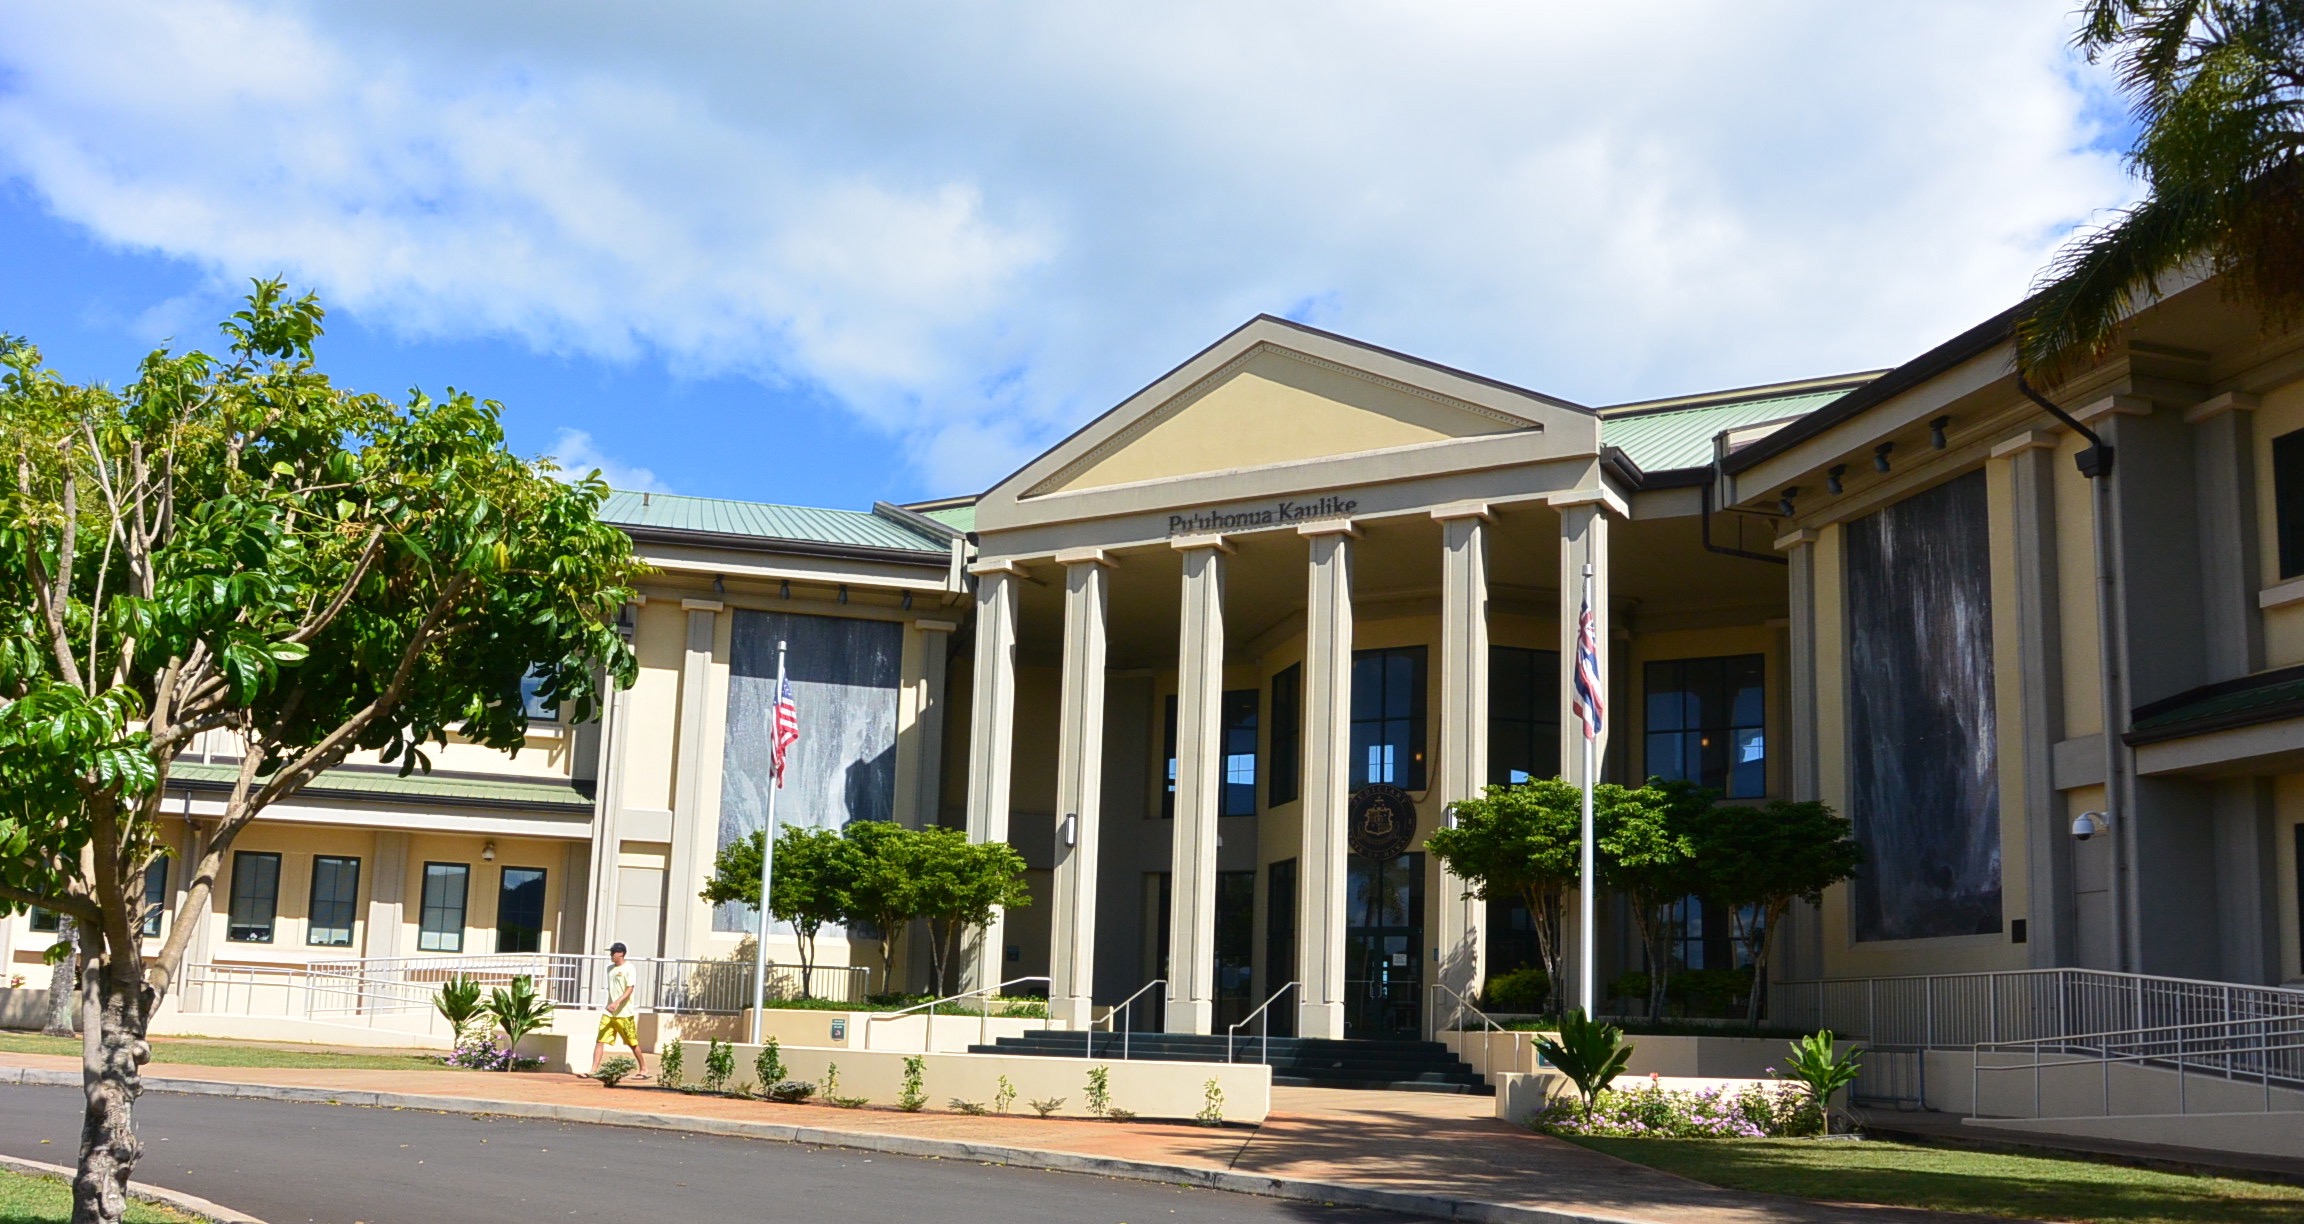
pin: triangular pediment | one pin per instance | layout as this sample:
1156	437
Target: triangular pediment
1274	393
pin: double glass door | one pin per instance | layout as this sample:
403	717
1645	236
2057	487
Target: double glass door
1384	947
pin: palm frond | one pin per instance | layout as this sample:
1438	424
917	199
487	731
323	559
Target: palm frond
2099	280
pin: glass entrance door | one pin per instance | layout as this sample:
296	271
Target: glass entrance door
1384	948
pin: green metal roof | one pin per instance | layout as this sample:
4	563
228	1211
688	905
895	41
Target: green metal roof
2261	698
958	518
1662	440
763	521
461	789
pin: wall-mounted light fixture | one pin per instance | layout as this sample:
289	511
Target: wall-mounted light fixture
1936	430
488	853
1784	503
719	586
843	592
784	589
1832	478
907	604
1880	455
624	626
1069	832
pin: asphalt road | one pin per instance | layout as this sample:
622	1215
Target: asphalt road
337	1164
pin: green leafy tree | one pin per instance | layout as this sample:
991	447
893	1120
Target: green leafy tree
518	1011
807	884
1825	1072
882	889
231	547
1521	841
2217	89
1591	1053
1646	852
959	886
1757	861
458	1002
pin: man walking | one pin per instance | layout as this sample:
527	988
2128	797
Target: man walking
621	1024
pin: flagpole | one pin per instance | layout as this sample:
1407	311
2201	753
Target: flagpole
1588	892
767	863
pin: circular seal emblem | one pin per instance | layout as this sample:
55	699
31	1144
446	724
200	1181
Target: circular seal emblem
1382	821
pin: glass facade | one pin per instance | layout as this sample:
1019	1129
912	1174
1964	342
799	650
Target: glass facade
440	924
1287	735
1705	723
1388	717
520	910
1523	714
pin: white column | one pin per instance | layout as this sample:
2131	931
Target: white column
1199	788
1583	538
928	775
1079	788
1459	950
685	872
1320	865
387	890
991	746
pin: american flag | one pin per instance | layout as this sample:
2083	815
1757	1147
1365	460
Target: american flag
787	729
1589	704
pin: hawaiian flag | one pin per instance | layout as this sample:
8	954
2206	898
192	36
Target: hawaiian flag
787	730
1589	704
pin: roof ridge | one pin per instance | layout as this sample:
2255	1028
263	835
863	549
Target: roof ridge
1792	389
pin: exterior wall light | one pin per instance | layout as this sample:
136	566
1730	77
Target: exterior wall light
784	589
843	592
1069	832
1880	455
1784	503
488	853
1832	478
1936	431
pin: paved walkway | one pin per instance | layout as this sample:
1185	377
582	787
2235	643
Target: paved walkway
1445	1150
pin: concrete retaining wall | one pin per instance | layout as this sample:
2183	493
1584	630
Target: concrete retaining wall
2261	1134
1497	1053
1144	1087
22	1007
2087	1089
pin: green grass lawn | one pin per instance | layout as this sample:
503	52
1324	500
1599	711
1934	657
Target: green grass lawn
185	1052
48	1200
1953	1179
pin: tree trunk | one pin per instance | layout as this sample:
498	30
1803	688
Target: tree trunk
60	979
1544	912
1769	921
115	1015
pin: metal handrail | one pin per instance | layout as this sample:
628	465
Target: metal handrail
1261	1010
1488	1037
928	1042
1125	1009
1956	1010
2104	1058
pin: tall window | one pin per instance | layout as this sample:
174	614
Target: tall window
155	895
1704	934
1388	717
1523	714
1235	942
1238	797
440	927
1287	735
534	703
335	891
520	910
46	920
255	896
1705	723
2288	500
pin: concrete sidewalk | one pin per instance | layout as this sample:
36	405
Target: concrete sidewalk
1419	1153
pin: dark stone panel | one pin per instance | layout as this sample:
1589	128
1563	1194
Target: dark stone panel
1923	762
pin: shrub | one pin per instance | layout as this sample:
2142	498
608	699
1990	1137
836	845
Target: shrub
458	1002
1120	1115
969	1107
1591	1053
519	1012
1005	1097
1048	1105
673	1065
1815	1065
1522	990
832	1089
1023	1009
1211	1104
790	1092
719	1065
613	1071
1650	1111
768	1066
481	1052
1099	1091
912	1096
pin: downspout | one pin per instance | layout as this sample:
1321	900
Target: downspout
2095	463
1725	549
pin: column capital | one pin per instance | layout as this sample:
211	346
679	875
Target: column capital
1342	527
2113	405
700	605
2217	405
1189	543
1603	496
2025	440
1009	566
1794	539
1463	510
936	626
1085	556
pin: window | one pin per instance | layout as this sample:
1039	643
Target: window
255	896
520	910
335	893
155	895
2288	500
1523	714
46	920
1704	934
441	925
1705	724
1235	943
1238	797
1388	717
1287	735
534	703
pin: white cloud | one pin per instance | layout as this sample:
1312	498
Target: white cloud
974	225
578	456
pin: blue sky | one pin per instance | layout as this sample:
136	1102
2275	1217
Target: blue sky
827	253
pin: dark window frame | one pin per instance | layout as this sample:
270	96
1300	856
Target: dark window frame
1388	712
532	930
1527	730
248	894
2288	500
1232	798
426	929
1690	708
155	896
346	908
1284	774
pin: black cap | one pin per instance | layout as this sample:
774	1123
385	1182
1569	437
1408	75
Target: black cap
616	947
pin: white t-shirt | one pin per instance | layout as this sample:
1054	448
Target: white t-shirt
619	982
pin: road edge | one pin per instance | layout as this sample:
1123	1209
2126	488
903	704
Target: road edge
1408	1202
190	1204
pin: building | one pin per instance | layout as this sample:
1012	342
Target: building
1160	659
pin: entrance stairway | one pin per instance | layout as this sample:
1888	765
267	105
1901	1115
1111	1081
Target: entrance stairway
1398	1066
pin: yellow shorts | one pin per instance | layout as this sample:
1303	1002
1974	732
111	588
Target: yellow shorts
619	1030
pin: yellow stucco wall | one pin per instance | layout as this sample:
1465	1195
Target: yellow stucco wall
2281	412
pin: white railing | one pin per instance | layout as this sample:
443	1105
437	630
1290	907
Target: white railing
1963	1010
1126	1011
2267	1053
1265	1032
985	996
379	986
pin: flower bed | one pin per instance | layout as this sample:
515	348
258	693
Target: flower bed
1753	1110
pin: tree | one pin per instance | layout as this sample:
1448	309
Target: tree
1646	852
1757	861
233	546
1521	841
806	888
63	971
2217	88
960	885
882	890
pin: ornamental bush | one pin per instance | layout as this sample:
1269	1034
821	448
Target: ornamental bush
1651	1111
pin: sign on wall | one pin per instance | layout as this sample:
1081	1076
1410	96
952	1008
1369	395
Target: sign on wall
1381	822
1287	512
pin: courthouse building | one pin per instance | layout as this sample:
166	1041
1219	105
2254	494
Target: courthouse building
1163	658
